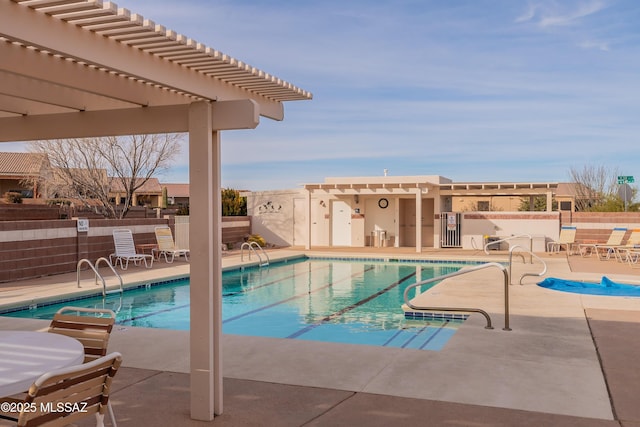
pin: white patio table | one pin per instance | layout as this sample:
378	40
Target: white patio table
26	355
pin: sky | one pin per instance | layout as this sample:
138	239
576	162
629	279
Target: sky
472	90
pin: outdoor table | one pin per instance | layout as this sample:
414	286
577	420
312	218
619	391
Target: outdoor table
26	355
151	248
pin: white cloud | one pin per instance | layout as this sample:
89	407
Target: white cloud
595	45
460	89
528	14
564	13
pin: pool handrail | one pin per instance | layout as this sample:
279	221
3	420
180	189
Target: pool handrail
542	273
250	246
473	310
506	239
98	275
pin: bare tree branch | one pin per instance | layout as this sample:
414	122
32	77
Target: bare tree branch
85	168
595	186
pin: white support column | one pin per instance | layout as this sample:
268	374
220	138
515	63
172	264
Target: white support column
396	223
418	220
307	196
549	201
205	270
437	209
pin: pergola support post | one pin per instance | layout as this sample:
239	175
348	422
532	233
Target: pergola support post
419	220
206	269
307	197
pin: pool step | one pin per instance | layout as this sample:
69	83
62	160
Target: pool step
411	313
431	336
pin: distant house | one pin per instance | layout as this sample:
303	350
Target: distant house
31	175
86	180
24	173
149	194
177	194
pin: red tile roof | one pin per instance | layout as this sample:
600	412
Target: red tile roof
152	186
176	190
22	164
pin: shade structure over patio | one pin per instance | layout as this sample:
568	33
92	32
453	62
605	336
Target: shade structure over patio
86	68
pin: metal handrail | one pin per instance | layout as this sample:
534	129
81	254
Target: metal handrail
97	274
250	246
113	270
542	273
473	310
506	239
473	244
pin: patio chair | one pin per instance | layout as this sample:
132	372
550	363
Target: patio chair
567	239
604	250
167	246
66	395
91	330
630	248
126	250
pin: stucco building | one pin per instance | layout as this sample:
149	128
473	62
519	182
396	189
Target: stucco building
403	211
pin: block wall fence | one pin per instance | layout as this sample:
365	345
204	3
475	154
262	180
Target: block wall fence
37	248
30	249
598	225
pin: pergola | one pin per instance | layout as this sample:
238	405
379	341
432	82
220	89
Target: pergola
84	68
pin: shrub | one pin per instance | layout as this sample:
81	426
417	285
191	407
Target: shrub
13	197
183	210
258	239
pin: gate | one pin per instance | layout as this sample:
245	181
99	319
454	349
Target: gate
450	230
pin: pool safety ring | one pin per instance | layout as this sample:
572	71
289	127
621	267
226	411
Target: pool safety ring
383	203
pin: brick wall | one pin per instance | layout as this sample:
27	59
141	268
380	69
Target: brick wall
235	228
22	212
30	249
598	225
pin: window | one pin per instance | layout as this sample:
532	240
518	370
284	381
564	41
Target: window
565	206
483	206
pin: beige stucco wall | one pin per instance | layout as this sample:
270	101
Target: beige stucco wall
280	217
541	226
272	215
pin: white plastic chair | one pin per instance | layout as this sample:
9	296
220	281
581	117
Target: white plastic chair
126	250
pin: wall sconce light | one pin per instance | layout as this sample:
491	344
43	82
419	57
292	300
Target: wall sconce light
323	204
356	198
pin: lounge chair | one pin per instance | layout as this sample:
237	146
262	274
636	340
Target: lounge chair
92	330
167	246
630	249
567	239
604	250
126	250
79	390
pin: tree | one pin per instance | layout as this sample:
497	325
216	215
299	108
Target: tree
539	204
232	203
85	168
165	198
596	189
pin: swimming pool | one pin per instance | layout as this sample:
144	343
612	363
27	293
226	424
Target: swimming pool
606	287
310	299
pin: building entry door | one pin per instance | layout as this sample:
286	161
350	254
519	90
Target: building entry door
340	223
408	222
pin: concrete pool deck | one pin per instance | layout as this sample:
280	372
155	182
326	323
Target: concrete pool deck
568	360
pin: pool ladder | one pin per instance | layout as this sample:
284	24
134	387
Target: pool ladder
472	310
105	292
508	238
532	255
251	247
528	251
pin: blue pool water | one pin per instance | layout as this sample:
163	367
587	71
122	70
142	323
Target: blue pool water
605	287
310	299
